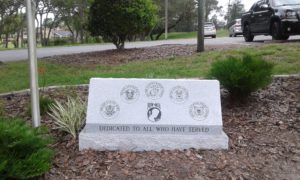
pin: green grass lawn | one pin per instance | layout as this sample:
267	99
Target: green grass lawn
15	76
186	35
10	47
222	33
172	35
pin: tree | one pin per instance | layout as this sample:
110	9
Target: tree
119	19
10	20
187	24
74	15
49	24
210	6
217	22
178	12
235	11
200	41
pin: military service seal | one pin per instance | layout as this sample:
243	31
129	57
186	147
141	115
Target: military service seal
154	90
199	111
109	109
130	94
179	94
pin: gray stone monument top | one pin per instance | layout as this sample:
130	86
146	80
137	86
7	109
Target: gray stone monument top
123	114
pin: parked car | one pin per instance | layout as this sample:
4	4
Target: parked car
210	30
236	28
278	18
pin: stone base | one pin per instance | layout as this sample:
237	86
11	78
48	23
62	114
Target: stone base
150	142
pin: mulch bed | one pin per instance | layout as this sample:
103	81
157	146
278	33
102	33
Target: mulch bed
115	57
264	143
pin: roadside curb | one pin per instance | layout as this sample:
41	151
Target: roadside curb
27	91
286	76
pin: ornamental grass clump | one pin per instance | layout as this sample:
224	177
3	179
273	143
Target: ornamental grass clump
45	104
69	116
24	151
242	76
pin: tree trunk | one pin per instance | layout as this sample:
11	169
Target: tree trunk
18	40
22	38
119	43
163	30
142	36
73	37
41	28
6	40
121	46
37	29
200	43
76	37
48	36
160	33
50	30
45	31
81	13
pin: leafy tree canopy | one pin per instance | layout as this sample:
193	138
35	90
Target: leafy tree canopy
116	20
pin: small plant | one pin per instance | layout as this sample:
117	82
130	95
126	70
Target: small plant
45	104
2	108
69	117
242	76
42	74
24	151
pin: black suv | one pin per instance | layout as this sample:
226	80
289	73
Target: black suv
279	18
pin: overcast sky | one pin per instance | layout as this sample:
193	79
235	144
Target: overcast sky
224	3
247	3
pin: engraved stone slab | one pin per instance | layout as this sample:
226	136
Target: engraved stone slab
153	114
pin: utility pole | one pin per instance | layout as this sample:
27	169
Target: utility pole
201	9
166	18
228	13
35	102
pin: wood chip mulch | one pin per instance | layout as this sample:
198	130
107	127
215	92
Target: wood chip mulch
115	57
264	143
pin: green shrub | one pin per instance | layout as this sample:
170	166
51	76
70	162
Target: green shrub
96	39
60	42
45	104
24	151
117	20
242	76
69	117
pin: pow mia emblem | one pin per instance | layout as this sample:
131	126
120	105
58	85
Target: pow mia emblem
154	112
109	109
179	94
130	94
154	91
199	111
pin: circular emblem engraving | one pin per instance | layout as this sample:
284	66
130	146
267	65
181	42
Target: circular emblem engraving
179	94
130	94
154	91
154	112
109	109
199	111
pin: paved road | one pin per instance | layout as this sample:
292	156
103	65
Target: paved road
16	55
